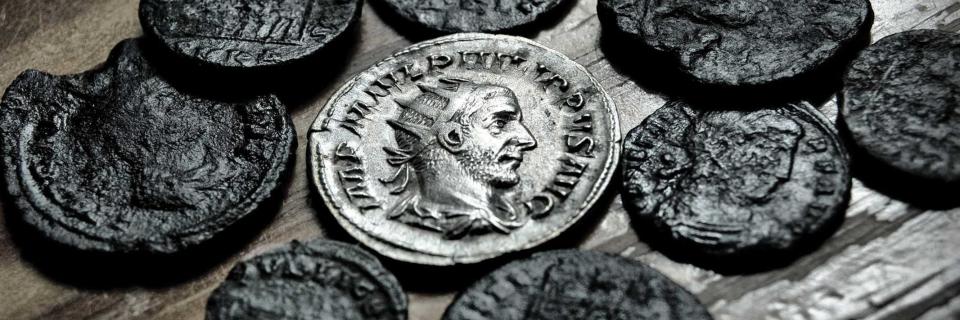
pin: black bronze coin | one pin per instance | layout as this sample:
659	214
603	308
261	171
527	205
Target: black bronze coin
570	284
740	42
901	102
319	279
119	160
730	182
247	33
472	16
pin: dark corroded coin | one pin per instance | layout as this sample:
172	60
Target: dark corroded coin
247	33
117	159
471	15
901	103
315	280
736	181
740	42
569	284
463	148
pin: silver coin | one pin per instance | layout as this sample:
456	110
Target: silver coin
464	148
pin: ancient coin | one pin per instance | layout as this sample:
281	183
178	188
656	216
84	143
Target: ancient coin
117	159
729	182
570	284
319	279
901	99
740	42
470	15
247	33
463	148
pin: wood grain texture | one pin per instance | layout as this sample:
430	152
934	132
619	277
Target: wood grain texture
895	257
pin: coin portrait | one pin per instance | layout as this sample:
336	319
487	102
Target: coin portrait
464	148
899	103
120	159
464	145
727	182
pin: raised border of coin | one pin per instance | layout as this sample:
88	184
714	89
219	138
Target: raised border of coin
731	44
575	166
572	284
298	281
457	17
257	40
38	108
727	182
900	100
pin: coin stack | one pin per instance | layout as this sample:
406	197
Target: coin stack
474	149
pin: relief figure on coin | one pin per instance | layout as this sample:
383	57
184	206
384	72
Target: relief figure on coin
459	145
742	165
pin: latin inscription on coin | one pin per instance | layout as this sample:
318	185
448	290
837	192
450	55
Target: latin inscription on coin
247	33
118	159
575	285
736	181
902	99
463	148
740	42
315	280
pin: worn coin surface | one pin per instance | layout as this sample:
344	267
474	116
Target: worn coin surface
472	16
464	148
570	284
901	102
247	33
740	42
117	159
320	279
727	182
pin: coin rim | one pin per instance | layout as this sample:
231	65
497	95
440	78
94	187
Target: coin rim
34	214
578	254
396	252
819	120
340	252
403	13
858	137
150	30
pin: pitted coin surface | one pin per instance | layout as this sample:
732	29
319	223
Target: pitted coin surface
464	148
571	284
901	99
740	42
472	16
247	33
728	182
117	159
319	279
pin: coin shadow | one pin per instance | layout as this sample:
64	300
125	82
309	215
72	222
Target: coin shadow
918	192
296	84
658	73
94	270
741	263
415	32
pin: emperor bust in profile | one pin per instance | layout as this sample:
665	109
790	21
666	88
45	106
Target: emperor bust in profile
459	145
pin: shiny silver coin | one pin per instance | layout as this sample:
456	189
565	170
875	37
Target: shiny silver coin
464	148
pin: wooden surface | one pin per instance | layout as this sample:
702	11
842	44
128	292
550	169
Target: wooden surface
895	257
